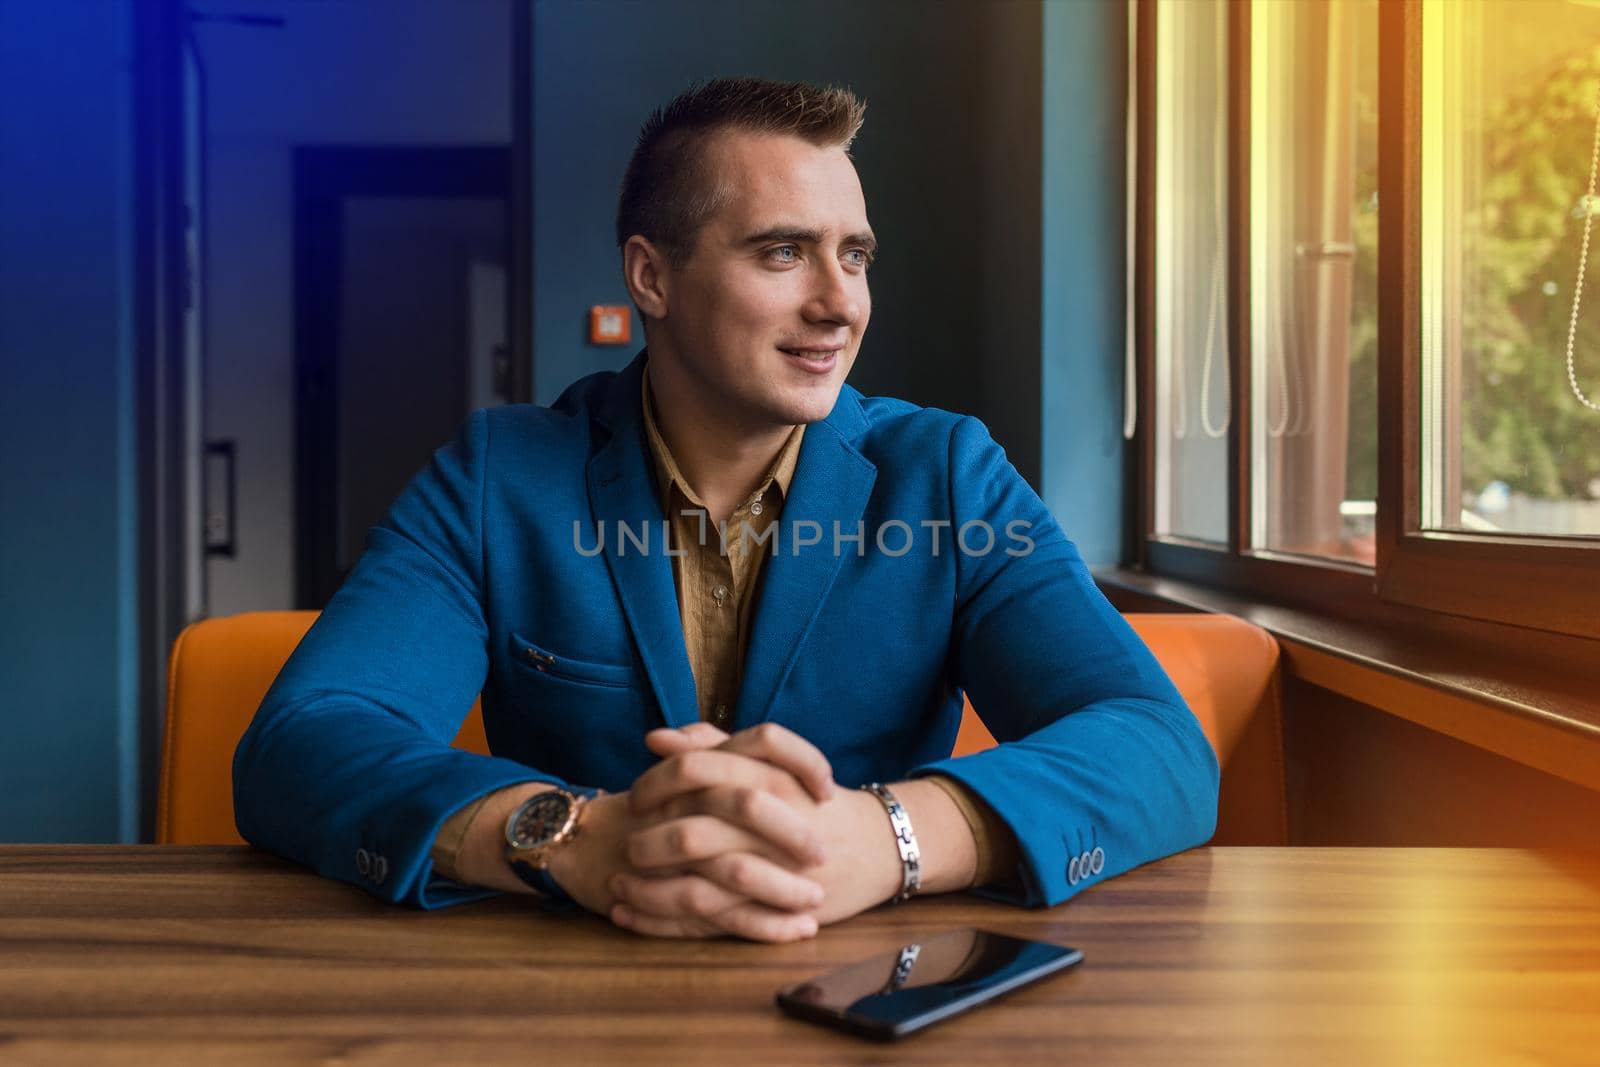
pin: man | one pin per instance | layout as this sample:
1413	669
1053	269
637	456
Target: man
708	597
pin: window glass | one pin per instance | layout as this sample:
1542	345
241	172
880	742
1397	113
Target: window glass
1511	327
1191	284
1314	292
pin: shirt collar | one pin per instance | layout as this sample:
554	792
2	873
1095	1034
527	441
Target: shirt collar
781	473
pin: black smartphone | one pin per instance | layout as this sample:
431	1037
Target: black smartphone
901	992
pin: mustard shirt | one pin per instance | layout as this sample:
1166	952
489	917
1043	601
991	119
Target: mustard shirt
716	588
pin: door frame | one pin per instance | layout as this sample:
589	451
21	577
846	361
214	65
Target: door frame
324	177
163	393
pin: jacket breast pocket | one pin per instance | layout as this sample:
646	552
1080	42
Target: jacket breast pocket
569	668
581	720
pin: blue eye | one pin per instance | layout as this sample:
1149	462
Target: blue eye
794	252
865	259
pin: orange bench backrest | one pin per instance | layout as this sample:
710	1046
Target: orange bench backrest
221	668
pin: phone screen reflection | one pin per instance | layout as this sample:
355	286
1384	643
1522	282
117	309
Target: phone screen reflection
922	977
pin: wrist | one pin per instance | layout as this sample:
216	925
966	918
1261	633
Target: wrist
879	865
482	859
904	836
945	838
583	866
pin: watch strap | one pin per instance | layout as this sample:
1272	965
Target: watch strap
550	895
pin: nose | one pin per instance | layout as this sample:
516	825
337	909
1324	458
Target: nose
839	297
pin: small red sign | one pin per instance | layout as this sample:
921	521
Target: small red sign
610	324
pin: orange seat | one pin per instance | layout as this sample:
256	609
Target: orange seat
1227	671
221	669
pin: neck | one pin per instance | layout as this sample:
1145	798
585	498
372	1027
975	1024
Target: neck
723	461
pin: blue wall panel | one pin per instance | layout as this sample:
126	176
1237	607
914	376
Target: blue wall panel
1084	271
68	642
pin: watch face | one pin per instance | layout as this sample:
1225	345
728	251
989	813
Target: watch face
540	820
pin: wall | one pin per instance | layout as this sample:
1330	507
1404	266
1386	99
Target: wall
68	513
1083	272
1051	200
1010	202
337	72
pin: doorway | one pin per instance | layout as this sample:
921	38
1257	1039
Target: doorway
401	329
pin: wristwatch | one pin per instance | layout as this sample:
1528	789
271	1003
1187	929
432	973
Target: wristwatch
535	830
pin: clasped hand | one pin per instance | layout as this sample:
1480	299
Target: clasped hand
745	835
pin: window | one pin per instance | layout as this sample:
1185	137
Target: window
1340	400
1313	263
1511	334
1192	403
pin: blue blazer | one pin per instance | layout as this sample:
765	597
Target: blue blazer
488	575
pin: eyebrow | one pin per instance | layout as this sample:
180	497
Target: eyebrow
803	235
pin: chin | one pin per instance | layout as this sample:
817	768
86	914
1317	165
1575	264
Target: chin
792	411
815	414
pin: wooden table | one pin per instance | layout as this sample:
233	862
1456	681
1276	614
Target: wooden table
1224	955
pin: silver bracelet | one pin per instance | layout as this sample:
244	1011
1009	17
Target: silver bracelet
904	962
905	840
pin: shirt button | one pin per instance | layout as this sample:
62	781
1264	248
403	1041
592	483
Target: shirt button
720	595
755	508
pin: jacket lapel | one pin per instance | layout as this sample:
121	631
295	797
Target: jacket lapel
622	489
832	483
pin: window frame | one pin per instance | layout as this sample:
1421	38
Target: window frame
1525	581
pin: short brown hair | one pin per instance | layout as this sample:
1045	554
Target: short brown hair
668	192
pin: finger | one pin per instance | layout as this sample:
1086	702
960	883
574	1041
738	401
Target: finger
761	881
718	884
692	771
758	812
689	897
628	918
782	747
691	804
769	742
669	742
687	841
746	921
763	924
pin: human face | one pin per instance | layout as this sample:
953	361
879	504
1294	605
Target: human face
762	324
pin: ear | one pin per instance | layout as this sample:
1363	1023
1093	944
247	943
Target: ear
645	270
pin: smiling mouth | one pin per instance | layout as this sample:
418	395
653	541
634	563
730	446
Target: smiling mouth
815	355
